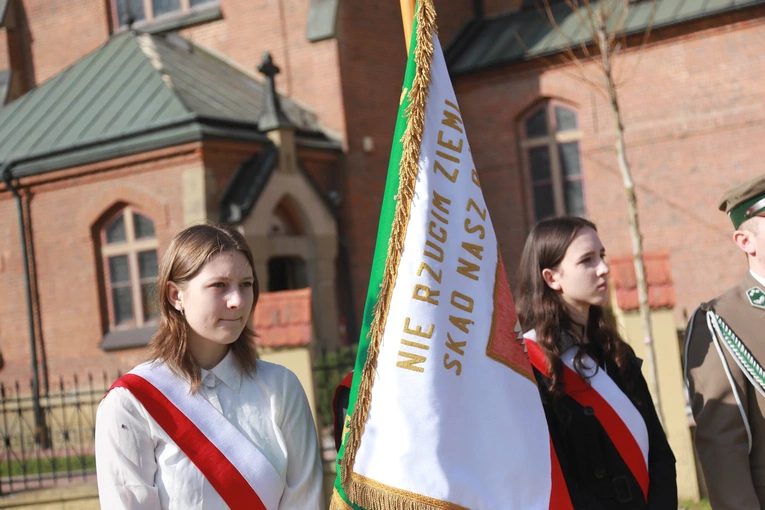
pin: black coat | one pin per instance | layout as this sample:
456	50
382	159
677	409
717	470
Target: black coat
596	476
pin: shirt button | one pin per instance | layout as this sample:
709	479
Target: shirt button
588	411
600	473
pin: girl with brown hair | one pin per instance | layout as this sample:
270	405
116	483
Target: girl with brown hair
205	424
611	446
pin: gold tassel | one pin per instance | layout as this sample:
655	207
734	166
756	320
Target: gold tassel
376	496
362	491
337	503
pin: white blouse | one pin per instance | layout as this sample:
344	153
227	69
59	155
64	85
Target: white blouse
140	467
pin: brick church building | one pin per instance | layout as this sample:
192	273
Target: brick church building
125	120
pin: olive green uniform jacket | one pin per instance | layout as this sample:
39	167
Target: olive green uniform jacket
730	427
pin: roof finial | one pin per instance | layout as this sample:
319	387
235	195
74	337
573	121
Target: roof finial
272	116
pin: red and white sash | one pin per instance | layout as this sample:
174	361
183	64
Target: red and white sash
235	467
617	414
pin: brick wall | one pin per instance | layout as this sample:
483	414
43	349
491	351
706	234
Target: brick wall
309	70
692	132
65	256
452	15
5	61
372	62
82	24
248	28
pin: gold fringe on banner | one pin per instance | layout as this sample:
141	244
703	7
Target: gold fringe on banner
337	502
361	491
377	496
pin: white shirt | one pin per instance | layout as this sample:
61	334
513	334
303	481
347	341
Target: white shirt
140	467
757	277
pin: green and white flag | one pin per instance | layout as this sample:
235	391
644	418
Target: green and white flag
444	410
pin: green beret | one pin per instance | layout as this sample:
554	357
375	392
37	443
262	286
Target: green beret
745	200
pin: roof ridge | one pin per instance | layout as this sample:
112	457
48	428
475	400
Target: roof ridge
482	49
250	74
147	43
225	59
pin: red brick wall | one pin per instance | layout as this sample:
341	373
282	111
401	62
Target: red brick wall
309	70
248	28
321	167
5	60
63	31
14	338
15	51
66	263
692	132
65	253
372	62
490	107
451	16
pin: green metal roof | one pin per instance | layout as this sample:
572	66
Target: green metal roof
247	183
137	93
5	84
3	9
527	34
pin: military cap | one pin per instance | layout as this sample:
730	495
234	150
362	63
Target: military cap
745	200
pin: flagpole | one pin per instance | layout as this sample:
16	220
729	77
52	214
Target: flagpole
407	16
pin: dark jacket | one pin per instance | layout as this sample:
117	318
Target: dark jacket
596	476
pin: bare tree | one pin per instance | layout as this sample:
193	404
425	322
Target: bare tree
604	22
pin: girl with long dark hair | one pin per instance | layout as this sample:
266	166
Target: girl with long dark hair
610	443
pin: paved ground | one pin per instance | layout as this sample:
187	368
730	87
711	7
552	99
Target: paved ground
64	496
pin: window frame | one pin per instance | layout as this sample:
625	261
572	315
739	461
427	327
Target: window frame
131	247
168	21
552	140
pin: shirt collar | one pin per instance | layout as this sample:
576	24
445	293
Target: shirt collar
227	371
757	277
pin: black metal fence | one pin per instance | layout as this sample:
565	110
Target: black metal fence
54	446
330	367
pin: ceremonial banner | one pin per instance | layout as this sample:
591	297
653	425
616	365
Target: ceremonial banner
444	410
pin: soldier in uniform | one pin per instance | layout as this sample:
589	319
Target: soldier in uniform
725	346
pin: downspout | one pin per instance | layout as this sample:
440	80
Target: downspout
345	260
40	433
36	299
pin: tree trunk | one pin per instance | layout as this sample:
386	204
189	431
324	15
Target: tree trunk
637	239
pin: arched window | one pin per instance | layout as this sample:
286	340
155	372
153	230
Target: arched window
550	139
128	246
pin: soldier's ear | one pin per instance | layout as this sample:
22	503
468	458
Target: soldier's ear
744	239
